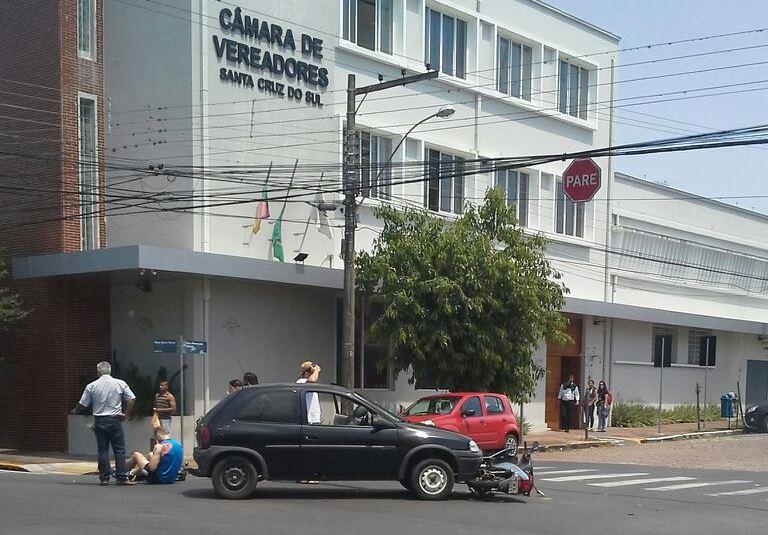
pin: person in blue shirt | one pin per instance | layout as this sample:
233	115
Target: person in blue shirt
164	461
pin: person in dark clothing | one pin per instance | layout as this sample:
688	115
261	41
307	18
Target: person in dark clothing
250	378
588	404
603	404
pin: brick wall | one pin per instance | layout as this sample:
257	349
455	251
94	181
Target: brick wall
46	359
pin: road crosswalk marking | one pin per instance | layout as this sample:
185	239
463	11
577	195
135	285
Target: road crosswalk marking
683	486
641	481
553	472
756	490
586	477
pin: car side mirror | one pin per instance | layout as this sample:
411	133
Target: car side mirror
380	423
468	412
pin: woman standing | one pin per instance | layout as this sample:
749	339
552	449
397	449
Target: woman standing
590	398
603	401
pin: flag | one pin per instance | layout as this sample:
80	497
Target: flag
262	208
277	239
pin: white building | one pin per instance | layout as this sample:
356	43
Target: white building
217	92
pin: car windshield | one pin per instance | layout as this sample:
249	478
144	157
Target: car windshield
432	406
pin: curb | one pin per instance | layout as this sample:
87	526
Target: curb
12	467
577	445
692	436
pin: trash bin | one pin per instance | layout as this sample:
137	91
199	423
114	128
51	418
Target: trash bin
726	407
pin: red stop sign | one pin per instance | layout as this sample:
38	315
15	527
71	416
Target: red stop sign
581	180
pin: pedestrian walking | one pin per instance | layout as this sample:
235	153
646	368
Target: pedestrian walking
568	398
588	404
165	405
112	401
604	400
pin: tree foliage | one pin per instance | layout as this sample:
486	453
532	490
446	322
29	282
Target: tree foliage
10	305
464	303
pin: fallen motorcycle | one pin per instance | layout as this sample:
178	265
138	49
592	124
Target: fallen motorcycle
505	472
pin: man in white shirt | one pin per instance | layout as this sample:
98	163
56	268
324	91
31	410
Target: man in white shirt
106	395
568	398
310	373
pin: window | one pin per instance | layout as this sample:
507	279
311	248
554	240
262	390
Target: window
569	215
89	176
277	407
432	406
372	156
445	184
86	26
446	43
472	404
697	343
514	187
336	410
493	405
369	24
514	65
668	334
574	90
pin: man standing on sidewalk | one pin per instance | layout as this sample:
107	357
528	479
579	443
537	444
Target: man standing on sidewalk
106	395
568	398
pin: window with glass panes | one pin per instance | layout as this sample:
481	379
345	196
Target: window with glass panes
445	45
86	26
514	186
569	215
89	175
369	24
573	93
514	68
444	188
372	156
695	342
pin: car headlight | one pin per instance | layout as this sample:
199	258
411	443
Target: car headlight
430	423
752	409
473	447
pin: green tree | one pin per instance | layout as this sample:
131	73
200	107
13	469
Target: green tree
464	303
10	305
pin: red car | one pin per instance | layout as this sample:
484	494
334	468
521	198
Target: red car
484	417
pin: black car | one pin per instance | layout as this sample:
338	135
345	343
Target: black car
322	432
756	417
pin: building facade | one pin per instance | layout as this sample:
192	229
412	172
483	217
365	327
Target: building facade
205	107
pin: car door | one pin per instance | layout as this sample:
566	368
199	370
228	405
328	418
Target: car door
496	420
267	421
342	446
473	420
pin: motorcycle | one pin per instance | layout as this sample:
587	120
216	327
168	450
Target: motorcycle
505	472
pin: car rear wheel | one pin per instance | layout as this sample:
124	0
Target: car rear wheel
510	442
234	477
432	479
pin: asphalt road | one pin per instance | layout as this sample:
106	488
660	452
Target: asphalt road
581	498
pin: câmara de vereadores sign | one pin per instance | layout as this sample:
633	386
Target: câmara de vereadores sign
242	47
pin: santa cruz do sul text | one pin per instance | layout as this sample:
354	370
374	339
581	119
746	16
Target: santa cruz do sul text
256	58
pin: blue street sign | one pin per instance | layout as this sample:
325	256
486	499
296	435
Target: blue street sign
194	347
165	346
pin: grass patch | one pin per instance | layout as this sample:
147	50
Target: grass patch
635	414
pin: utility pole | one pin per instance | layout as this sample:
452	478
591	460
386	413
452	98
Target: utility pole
351	188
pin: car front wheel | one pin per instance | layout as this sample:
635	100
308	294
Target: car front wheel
234	477
432	479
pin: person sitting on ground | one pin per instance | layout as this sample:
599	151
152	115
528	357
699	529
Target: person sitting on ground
164	461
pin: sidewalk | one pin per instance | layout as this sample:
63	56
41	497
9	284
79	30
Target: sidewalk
621	435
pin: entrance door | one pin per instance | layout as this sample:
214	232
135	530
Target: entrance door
757	382
561	361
